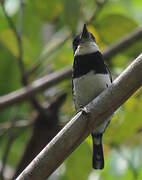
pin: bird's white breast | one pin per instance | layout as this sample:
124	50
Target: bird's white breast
87	87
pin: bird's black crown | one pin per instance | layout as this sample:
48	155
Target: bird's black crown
82	37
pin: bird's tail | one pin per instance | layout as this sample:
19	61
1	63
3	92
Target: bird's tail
98	157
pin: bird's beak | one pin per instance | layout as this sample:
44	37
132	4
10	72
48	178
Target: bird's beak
85	33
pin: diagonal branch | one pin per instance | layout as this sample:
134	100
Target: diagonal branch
38	85
123	43
56	77
83	123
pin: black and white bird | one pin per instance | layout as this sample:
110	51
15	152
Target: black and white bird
90	77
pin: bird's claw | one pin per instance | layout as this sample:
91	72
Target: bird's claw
83	110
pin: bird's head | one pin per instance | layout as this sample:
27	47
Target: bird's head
84	43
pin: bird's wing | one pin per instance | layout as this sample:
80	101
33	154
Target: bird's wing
109	73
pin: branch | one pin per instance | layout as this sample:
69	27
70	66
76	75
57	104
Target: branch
4	127
56	77
83	123
123	43
38	85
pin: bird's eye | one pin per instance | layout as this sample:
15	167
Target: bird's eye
76	42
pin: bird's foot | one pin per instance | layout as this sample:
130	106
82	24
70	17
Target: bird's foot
83	110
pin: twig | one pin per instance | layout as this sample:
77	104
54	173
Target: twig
19	41
11	138
4	127
5	155
18	124
96	112
20	18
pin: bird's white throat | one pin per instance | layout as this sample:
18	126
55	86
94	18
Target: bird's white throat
86	48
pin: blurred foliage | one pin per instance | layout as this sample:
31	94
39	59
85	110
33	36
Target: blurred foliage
48	28
127	23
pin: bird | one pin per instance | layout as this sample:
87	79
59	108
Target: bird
90	76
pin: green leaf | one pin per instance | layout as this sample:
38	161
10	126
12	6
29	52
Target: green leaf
8	38
134	8
9	72
71	14
65	56
32	29
115	26
79	164
46	9
19	142
134	50
120	7
126	124
3	23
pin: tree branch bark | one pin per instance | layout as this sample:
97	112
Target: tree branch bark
123	43
56	77
82	124
38	85
44	129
